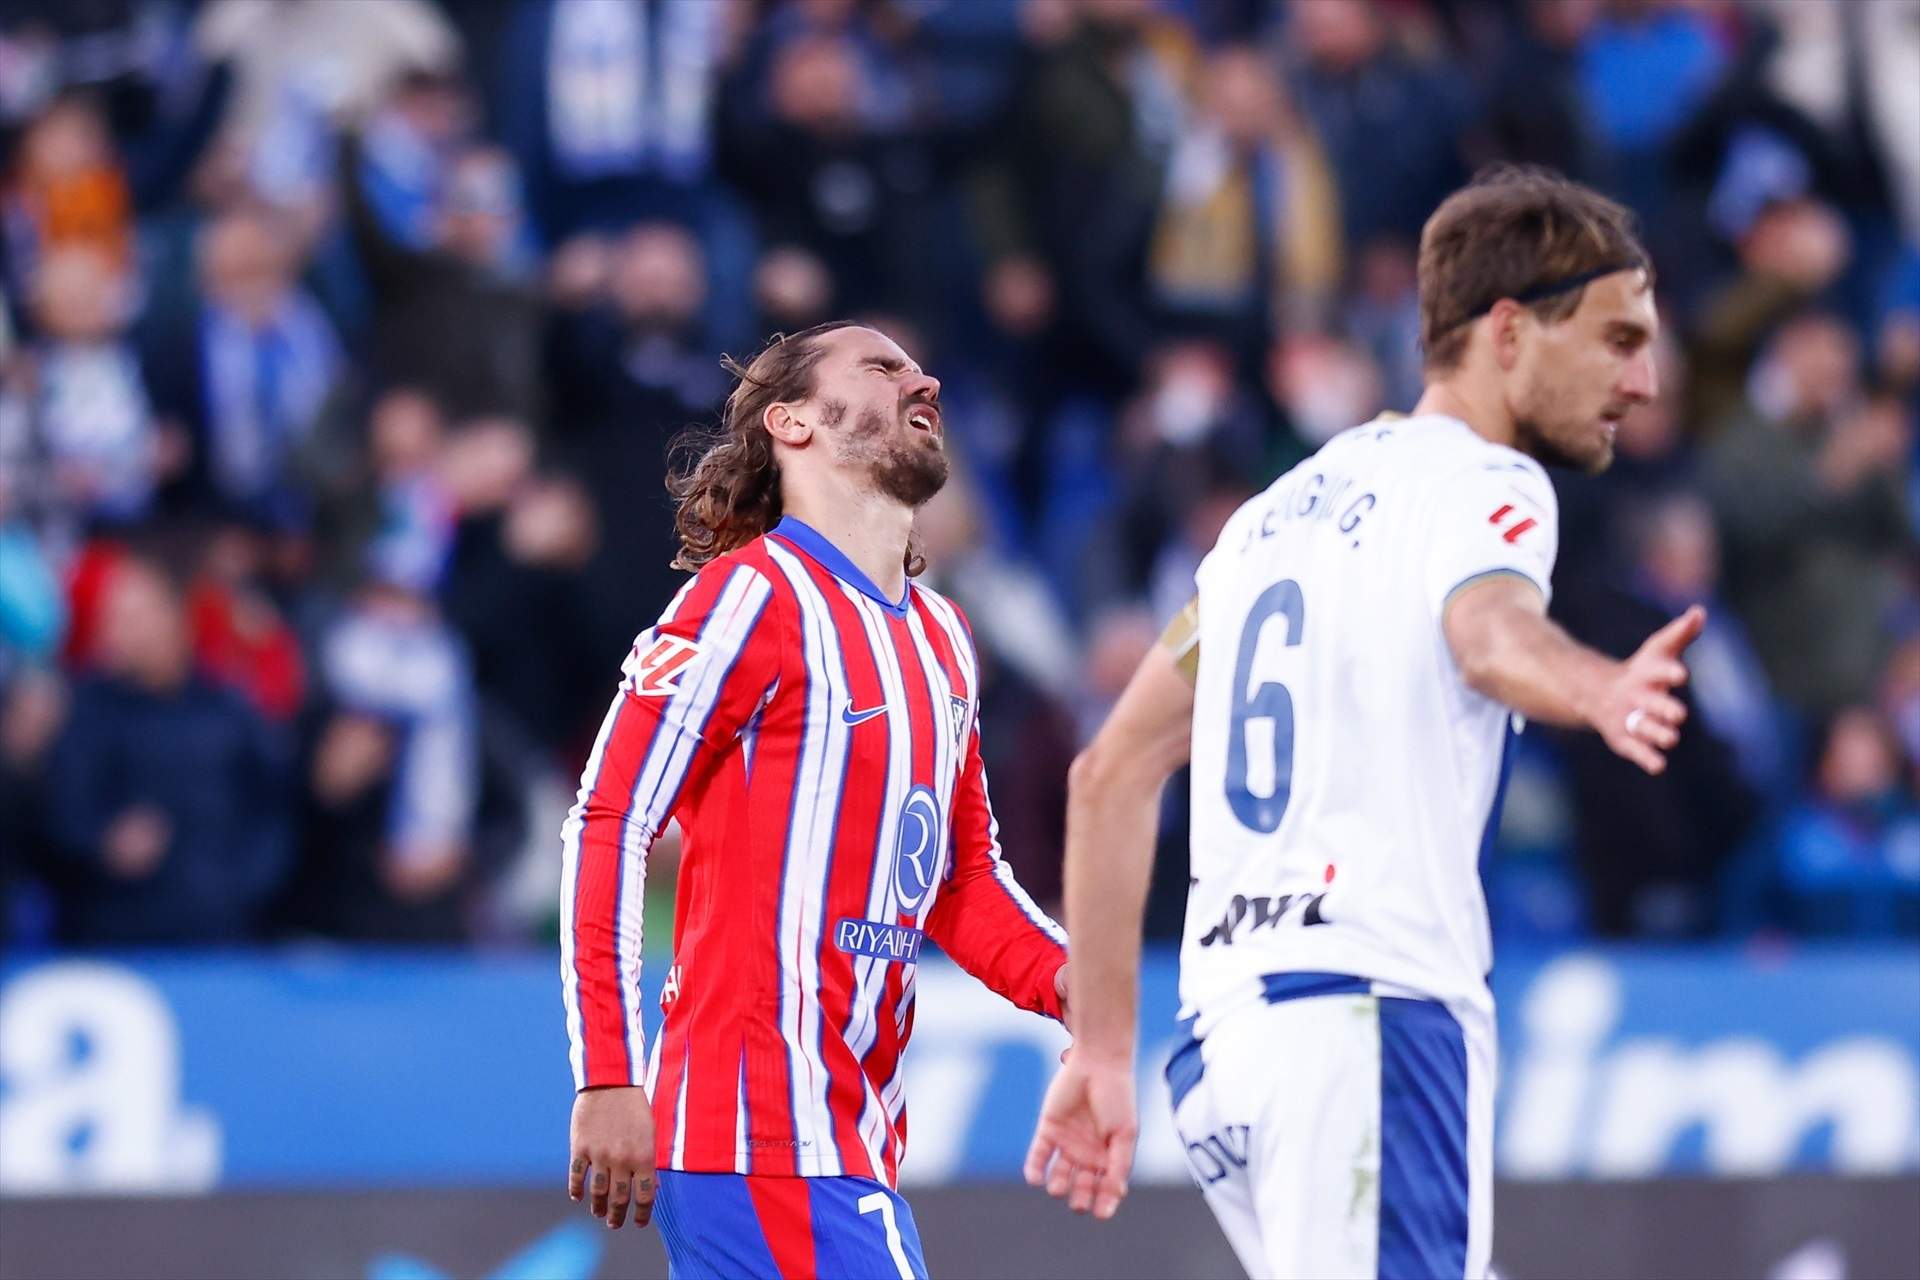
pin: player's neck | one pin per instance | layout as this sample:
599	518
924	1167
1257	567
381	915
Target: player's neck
869	529
1485	413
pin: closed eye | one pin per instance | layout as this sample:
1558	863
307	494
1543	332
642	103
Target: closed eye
1626	339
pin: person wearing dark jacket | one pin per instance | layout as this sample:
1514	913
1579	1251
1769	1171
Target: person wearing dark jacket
1650	847
166	809
437	223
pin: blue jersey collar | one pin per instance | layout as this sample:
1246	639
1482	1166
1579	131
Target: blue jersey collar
834	561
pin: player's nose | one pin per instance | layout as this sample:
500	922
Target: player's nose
1640	382
922	386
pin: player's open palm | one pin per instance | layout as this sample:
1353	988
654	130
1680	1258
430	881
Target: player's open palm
1639	714
612	1160
1082	1147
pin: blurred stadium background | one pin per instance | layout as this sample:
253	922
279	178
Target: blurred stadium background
340	346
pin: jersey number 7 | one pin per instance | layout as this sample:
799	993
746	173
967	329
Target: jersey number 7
1270	701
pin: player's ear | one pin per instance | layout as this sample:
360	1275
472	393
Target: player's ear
1506	325
784	426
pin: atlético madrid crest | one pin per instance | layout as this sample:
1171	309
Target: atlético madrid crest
958	707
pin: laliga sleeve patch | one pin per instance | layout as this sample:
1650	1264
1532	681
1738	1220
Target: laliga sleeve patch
655	670
1512	529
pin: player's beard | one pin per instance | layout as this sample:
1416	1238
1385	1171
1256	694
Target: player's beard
906	468
1555	449
1554	437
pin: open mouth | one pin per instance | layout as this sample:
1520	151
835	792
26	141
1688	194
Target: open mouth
924	418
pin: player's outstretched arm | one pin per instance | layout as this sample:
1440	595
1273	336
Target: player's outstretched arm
1083	1145
1507	649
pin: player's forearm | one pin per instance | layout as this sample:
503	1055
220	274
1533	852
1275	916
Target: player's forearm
992	930
601	914
1113	810
1523	660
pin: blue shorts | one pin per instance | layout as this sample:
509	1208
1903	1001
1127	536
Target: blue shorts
730	1226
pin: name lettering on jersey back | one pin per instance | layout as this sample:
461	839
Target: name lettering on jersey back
1317	498
883	941
1264	913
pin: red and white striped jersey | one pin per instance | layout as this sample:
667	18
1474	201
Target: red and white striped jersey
819	746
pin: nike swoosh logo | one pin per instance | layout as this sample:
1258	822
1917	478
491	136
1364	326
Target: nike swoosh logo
850	716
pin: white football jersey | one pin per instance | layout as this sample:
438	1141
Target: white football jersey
1345	778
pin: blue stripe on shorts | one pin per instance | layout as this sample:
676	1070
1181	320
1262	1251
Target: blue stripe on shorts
1423	1141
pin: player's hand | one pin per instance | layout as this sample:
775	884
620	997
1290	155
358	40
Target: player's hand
1082	1147
1637	713
612	1159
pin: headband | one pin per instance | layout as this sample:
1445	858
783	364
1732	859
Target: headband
1540	292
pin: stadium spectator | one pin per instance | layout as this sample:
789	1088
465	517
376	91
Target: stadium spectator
167	803
78	444
818	137
514	592
1809	487
246	371
609	109
1649	849
66	190
347	55
1393	126
624	340
1790	248
1249	226
1381	312
1842	70
1063	201
1325	385
137	63
1679	565
390	776
1845	861
239	637
1191	425
438	225
1645	67
628	366
1536	113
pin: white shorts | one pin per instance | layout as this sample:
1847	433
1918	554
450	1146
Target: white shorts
1337	1131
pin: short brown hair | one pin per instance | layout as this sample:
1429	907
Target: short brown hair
1516	232
725	480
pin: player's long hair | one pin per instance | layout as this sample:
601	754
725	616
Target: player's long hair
725	480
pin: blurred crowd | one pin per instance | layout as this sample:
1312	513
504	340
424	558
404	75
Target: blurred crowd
341	344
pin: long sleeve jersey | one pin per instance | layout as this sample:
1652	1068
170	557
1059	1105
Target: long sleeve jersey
819	746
